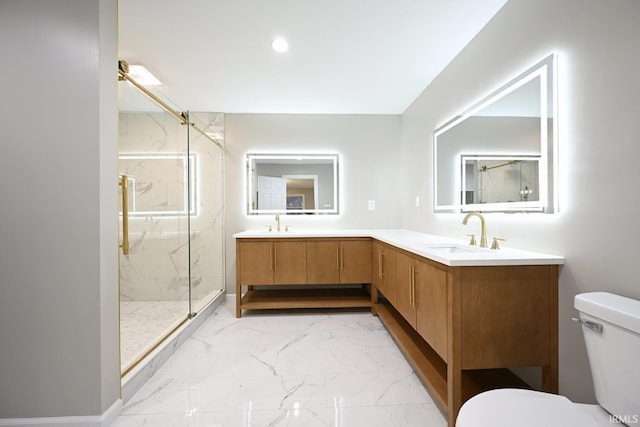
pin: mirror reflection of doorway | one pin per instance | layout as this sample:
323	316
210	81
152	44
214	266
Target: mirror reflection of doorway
302	192
288	193
272	193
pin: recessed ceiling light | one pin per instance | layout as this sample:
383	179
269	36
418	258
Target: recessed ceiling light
280	45
140	74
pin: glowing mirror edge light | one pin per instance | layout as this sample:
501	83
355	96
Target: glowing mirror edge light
335	162
513	84
500	93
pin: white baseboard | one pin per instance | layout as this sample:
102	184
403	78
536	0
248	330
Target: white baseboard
104	420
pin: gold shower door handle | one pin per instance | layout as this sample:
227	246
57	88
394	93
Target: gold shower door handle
124	184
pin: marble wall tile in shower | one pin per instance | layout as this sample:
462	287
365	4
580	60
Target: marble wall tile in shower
157	268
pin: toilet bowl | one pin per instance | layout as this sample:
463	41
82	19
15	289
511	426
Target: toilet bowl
527	408
611	328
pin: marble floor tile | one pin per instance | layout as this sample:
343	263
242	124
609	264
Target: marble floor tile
285	368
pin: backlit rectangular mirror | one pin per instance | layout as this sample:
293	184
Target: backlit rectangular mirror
292	183
501	154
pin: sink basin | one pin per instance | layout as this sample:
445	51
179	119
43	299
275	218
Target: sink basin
452	249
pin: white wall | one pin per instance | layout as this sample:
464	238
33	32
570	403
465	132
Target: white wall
58	221
369	168
596	228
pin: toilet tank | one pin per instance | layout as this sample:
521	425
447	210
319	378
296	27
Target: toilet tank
611	328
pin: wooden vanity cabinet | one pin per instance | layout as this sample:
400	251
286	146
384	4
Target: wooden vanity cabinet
461	328
339	261
273	262
268	270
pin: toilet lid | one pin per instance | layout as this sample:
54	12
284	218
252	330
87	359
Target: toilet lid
522	408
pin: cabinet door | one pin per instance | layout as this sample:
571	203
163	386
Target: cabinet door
290	263
431	304
323	262
405	289
384	270
355	261
377	266
256	259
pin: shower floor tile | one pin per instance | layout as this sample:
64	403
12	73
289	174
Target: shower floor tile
277	368
144	323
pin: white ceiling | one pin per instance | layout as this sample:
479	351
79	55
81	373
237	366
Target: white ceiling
345	56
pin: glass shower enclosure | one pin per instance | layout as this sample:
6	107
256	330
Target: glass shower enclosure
172	249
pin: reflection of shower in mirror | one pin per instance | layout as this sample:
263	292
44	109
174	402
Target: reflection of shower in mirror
498	179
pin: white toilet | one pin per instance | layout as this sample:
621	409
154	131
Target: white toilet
611	328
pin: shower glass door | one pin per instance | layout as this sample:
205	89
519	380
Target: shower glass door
155	273
207	220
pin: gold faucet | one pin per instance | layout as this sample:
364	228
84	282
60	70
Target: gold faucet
278	222
483	235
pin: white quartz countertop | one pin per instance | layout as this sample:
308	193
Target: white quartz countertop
447	251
